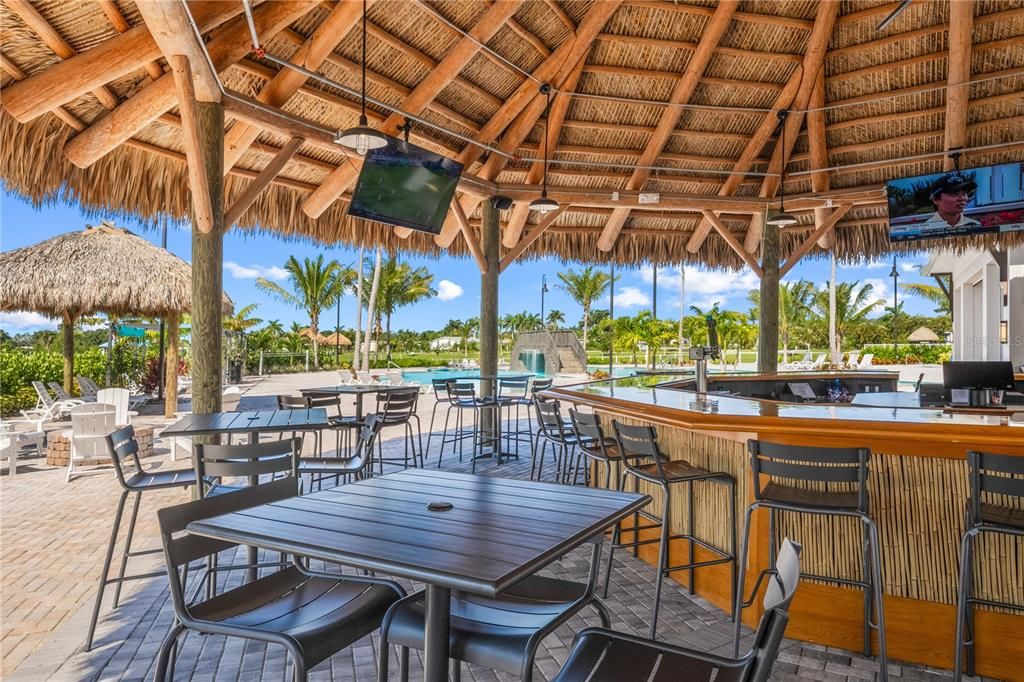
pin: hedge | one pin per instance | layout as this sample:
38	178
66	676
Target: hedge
909	353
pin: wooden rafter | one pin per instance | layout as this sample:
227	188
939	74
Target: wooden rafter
552	130
170	26
417	100
526	242
669	119
644	41
121	25
119	56
18	75
471	241
561	15
818	149
229	46
202	208
814	62
732	241
263	181
824	227
961	28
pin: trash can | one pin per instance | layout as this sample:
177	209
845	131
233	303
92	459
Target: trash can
235	372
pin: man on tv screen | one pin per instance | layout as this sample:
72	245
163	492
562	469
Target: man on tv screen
950	195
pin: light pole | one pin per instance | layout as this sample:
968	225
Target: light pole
895	308
543	290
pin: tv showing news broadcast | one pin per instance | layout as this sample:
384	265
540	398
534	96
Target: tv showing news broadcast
982	200
405	185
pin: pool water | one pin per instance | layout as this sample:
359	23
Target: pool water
426	376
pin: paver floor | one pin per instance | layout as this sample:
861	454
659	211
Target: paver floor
53	535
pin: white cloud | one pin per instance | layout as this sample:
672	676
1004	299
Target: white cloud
630	297
866	265
880	292
704	287
18	322
448	290
911	268
253	271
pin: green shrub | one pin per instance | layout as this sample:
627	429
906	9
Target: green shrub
908	353
21	399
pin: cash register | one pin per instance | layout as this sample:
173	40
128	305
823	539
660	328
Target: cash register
979	384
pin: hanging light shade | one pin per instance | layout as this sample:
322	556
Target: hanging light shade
780	218
362	137
545	204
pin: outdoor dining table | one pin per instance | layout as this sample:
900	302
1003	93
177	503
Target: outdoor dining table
358	390
384	524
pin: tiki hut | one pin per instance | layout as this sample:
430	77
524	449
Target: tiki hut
101	269
337	339
923	335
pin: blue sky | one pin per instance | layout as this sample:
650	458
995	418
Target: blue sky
458	281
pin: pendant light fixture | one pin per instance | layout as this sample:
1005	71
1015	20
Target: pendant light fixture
781	218
362	138
545	204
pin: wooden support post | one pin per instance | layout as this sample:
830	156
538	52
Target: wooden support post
490	242
68	329
171	367
208	268
768	338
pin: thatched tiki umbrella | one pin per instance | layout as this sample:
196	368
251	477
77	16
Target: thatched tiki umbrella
101	269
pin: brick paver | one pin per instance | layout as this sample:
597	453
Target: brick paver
53	536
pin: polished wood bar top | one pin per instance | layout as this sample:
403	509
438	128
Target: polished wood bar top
798	375
649	398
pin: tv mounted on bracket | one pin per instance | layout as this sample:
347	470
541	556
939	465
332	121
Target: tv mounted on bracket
982	200
405	185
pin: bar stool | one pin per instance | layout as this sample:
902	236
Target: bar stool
441	397
593	445
514	394
121	445
990	475
342	426
398	408
843	475
464	401
556	431
645	461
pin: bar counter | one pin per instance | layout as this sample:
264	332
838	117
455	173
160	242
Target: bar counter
918	488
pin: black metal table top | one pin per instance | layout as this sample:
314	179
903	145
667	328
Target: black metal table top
355	389
253	421
498	531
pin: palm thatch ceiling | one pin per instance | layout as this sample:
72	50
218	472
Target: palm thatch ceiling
679	98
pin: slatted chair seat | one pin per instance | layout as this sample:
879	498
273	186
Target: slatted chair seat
152	480
672	471
811	499
1003	516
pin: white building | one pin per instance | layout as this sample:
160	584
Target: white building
988	302
450	342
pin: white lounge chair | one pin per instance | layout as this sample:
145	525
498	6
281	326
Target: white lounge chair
90	425
801	363
88	388
46	408
853	360
229	399
61	394
119	401
817	364
365	377
867	361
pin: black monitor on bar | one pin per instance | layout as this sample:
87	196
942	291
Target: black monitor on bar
405	185
994	375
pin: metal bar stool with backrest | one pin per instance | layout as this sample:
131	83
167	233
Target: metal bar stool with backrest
514	395
996	506
554	430
123	448
441	397
645	461
357	464
398	408
342	426
313	615
600	655
825	482
595	446
502	632
464	401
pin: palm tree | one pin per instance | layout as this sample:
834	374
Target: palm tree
585	287
852	303
629	333
274	328
240	322
316	286
794	309
556	318
400	285
931	292
370	309
462	329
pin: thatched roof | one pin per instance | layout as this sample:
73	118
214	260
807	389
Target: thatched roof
882	97
100	269
337	338
923	335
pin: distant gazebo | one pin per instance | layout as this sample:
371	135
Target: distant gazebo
923	335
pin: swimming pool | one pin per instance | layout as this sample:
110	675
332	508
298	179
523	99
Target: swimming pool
426	376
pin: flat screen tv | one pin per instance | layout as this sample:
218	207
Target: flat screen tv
405	185
982	200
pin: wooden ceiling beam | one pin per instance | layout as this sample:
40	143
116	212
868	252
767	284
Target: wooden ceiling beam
552	131
444	24
825	227
121	25
286	82
749	17
818	149
670	115
814	62
418	99
472	243
262	181
526	242
749	155
53	40
531	39
644	41
60	112
199	183
145	106
733	242
170	25
961	30
561	15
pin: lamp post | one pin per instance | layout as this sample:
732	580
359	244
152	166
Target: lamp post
895	308
543	290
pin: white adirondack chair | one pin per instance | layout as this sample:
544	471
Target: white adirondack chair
90	425
119	399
